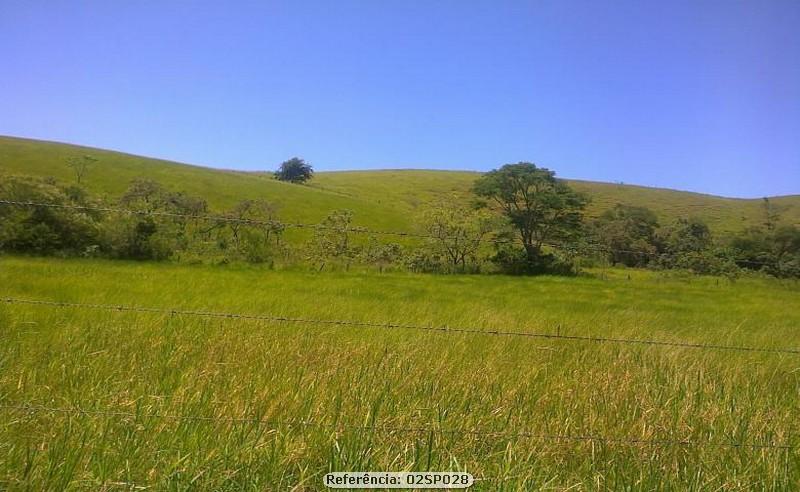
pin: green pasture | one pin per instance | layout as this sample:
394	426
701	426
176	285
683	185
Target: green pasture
162	393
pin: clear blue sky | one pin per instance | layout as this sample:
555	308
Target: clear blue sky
697	95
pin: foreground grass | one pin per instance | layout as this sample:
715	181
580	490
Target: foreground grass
388	399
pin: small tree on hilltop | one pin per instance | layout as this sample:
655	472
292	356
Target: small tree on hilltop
295	170
80	165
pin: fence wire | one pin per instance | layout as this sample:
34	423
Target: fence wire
594	247
400	326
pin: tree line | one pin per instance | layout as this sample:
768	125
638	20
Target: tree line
522	220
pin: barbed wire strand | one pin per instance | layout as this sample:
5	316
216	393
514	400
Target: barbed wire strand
359	230
36	408
370	324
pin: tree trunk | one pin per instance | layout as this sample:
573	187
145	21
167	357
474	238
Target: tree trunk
532	252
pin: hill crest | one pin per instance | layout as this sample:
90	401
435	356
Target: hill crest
380	198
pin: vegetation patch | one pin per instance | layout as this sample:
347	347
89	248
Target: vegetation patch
168	401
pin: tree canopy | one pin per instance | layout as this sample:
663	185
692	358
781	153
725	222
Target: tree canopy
295	170
455	232
81	165
628	233
540	207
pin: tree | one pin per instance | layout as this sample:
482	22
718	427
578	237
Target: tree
331	241
689	245
381	254
258	215
143	195
456	232
80	165
786	247
774	252
540	207
628	234
158	228
690	235
771	214
253	225
295	170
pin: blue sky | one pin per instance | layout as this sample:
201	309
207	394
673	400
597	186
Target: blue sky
696	95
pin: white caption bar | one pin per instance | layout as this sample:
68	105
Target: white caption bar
398	480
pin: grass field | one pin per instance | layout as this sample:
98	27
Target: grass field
392	399
380	199
94	398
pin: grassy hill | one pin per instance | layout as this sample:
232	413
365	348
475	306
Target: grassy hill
242	377
380	199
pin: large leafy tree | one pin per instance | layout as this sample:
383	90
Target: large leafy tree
541	208
295	170
628	234
687	235
775	252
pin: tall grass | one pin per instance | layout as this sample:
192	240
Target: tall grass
358	388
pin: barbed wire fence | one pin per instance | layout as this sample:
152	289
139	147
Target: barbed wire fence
33	408
401	326
36	408
574	248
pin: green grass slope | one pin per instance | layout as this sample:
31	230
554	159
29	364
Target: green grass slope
380	199
408	189
114	171
722	214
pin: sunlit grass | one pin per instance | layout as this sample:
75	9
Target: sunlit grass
340	379
384	200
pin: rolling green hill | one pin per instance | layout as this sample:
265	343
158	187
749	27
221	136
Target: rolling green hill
181	374
380	199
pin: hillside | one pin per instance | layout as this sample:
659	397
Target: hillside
380	199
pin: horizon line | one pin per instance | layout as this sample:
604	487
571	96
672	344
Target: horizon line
387	169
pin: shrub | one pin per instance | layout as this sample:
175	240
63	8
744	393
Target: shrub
45	230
